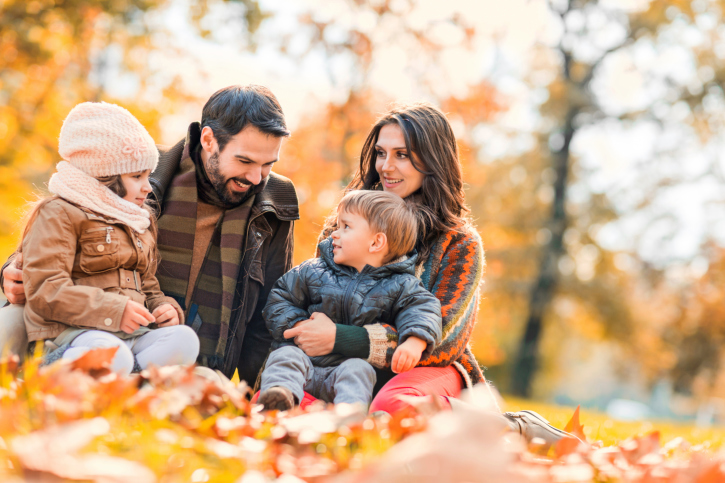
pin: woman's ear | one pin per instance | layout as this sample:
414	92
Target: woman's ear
379	243
207	139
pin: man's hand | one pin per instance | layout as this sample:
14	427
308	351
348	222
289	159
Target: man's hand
407	355
315	336
166	315
134	316
13	281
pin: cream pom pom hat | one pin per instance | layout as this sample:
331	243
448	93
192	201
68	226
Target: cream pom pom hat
98	140
104	139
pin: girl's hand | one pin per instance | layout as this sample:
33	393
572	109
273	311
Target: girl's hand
166	315
315	336
134	316
407	355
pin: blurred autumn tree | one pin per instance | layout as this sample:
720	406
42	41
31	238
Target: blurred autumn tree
572	265
57	53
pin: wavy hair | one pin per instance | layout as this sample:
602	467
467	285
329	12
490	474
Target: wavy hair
429	135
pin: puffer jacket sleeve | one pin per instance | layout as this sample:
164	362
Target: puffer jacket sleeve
419	315
455	269
48	254
288	301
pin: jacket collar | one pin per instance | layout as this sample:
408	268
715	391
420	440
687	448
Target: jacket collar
278	195
404	264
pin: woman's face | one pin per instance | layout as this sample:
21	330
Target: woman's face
394	163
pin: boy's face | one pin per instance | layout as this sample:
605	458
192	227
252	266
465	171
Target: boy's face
352	241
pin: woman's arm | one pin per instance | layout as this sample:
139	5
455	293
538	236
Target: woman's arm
454	280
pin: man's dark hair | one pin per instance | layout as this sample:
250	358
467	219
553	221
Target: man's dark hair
231	109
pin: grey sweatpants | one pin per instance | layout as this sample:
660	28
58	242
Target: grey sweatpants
289	367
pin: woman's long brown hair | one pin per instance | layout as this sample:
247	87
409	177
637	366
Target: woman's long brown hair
429	136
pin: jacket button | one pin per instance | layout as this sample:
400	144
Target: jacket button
108	321
100	248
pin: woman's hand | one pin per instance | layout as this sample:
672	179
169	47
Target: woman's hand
166	315
134	316
315	336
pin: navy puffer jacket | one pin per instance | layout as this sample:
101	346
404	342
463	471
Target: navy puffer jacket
389	294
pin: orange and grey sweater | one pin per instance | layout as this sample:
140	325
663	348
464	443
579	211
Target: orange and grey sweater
453	273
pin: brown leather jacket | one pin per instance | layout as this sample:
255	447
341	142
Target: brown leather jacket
268	255
80	269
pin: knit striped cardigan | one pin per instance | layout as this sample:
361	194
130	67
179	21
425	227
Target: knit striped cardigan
453	272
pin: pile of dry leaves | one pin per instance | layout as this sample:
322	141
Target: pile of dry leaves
79	422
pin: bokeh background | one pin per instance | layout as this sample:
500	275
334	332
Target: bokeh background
591	134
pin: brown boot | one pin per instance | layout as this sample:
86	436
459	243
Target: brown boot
277	397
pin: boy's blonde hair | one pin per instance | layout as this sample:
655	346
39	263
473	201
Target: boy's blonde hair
385	213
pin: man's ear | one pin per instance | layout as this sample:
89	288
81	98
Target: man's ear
379	243
208	141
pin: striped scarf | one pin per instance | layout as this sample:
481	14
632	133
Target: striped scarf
210	310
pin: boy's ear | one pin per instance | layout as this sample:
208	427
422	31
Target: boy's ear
207	139
379	244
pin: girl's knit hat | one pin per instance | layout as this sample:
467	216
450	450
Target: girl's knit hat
104	139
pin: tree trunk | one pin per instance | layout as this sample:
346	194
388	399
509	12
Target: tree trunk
544	288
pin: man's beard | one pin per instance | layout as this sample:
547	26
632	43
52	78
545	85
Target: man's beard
220	183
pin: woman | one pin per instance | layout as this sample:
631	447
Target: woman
411	151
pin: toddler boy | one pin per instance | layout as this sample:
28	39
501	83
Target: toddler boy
362	277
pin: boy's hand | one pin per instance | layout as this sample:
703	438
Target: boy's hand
166	315
134	316
407	355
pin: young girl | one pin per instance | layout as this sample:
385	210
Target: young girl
89	252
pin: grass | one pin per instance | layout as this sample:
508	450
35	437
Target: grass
600	427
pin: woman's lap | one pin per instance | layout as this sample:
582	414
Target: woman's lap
443	382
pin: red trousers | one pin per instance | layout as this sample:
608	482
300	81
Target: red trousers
442	382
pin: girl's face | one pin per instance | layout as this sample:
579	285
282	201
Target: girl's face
137	186
394	163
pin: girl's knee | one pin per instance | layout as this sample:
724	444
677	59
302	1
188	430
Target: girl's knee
187	341
123	360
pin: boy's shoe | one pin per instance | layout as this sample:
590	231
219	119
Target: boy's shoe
532	425
277	397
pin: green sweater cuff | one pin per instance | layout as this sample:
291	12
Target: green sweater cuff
352	341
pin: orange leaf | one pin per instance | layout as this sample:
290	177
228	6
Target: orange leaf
96	362
714	474
565	446
574	427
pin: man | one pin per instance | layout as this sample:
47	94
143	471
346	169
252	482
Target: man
225	229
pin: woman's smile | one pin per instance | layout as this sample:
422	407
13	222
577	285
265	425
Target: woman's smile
394	163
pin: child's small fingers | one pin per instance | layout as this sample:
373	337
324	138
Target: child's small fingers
164	317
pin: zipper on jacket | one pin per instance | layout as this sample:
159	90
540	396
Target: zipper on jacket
348	293
105	228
